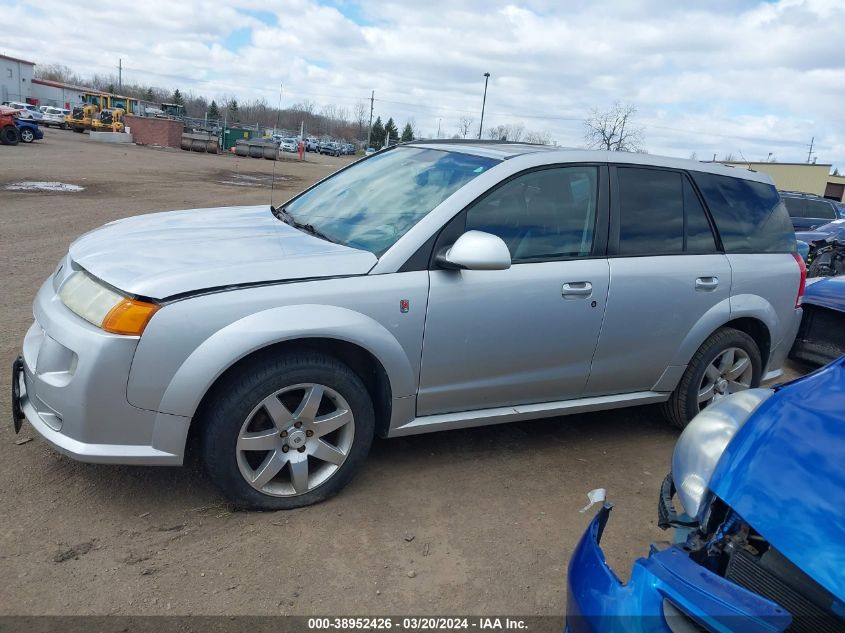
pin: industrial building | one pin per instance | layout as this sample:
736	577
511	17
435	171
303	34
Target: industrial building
16	79
807	177
58	94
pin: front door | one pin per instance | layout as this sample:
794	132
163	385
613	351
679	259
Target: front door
526	334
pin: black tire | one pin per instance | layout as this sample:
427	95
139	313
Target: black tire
233	400
10	135
682	405
27	135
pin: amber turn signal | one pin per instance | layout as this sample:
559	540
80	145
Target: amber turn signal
129	317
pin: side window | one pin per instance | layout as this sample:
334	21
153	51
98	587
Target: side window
749	215
795	207
698	232
651	208
544	214
819	209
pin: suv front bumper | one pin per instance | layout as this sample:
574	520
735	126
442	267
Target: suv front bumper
667	592
70	385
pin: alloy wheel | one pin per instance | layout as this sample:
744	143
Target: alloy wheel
296	439
730	371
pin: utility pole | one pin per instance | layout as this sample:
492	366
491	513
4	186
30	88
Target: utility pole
439	121
120	74
810	153
370	128
483	103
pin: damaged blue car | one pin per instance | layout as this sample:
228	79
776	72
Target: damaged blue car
760	544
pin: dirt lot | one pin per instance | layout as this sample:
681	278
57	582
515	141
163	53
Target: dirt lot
479	521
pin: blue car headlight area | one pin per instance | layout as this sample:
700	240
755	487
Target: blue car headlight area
704	440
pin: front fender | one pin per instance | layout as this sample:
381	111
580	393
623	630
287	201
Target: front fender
261	329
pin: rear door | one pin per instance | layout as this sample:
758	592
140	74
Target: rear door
666	272
526	334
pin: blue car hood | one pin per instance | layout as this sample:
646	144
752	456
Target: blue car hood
827	292
784	473
164	254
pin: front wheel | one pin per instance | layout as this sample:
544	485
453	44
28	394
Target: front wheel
287	432
727	362
10	135
27	135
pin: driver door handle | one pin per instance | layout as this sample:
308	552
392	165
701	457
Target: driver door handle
703	284
576	290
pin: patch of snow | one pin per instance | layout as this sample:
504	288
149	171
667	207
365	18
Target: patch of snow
33	185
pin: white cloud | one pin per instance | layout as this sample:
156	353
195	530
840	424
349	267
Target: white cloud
719	76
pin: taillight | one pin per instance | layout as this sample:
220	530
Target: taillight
803	268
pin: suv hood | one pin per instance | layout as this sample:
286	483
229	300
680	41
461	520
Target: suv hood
164	254
783	474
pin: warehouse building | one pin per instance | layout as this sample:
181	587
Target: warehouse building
807	177
16	79
57	94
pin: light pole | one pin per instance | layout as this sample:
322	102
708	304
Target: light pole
483	103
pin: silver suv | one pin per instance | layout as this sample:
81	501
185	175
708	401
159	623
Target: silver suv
430	286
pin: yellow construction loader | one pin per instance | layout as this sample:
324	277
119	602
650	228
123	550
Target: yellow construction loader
83	114
109	120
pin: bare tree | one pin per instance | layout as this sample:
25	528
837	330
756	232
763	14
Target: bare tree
512	132
614	129
540	137
360	117
464	125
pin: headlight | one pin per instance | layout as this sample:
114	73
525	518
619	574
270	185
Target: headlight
103	307
704	440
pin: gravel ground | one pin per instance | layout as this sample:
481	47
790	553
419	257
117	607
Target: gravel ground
480	521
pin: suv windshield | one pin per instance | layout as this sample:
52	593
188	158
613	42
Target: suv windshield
373	203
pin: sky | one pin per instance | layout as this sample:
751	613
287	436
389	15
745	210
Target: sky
755	79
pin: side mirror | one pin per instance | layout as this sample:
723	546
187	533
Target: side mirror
476	250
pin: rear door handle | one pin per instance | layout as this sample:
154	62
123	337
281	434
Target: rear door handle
576	290
705	284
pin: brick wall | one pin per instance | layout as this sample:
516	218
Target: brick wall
150	131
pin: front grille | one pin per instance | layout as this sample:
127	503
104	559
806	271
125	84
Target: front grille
821	337
774	577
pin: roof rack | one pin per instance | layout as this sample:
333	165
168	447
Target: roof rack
466	141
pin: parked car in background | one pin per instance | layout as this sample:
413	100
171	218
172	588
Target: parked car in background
29	130
508	249
809	211
821	337
9	132
831	230
311	144
289	145
331	148
348	149
54	117
28	111
369	151
761	544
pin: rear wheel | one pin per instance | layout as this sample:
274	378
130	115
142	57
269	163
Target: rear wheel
287	432
10	135
727	362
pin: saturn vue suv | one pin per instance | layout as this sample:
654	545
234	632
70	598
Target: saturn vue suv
430	286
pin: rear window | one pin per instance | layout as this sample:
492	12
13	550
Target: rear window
749	216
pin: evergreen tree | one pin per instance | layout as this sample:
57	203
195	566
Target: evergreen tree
149	96
110	88
213	110
377	135
233	109
177	97
407	133
390	131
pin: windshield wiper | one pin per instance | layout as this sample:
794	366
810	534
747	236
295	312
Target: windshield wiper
287	218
